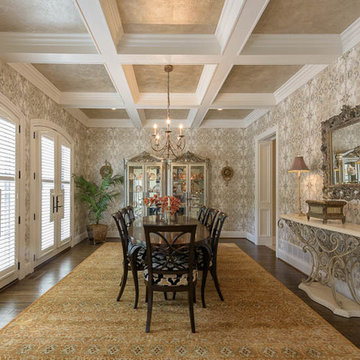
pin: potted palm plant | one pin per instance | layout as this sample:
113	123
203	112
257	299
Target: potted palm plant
97	198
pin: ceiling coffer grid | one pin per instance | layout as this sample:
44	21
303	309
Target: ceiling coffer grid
242	56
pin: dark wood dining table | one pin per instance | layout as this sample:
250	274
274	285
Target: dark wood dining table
136	230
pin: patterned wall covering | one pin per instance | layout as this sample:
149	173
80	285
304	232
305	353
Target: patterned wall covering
218	145
36	105
299	120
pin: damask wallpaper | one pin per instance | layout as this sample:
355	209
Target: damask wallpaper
299	119
36	105
219	145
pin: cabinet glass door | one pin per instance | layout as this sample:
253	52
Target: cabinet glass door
153	183
136	188
197	189
179	185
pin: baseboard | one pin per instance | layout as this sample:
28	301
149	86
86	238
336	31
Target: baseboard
250	237
79	238
233	234
26	269
265	240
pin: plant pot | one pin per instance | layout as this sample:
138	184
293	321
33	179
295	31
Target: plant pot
97	232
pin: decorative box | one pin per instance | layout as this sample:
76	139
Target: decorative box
326	210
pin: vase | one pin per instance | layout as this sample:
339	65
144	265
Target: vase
166	216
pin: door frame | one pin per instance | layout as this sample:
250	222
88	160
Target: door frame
34	200
270	133
11	112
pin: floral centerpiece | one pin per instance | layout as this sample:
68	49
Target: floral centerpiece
167	204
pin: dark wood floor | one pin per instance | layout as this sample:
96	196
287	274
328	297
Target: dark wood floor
17	297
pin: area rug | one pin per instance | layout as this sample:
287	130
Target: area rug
260	318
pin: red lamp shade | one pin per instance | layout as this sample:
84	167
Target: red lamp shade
299	165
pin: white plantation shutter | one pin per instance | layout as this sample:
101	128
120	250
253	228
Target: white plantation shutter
66	188
47	188
7	195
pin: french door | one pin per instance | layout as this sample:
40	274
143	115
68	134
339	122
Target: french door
8	201
53	192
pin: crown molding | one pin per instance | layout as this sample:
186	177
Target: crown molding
79	115
99	100
306	73
350	37
30	73
223	124
48	43
200	44
253	116
243	101
228	18
112	15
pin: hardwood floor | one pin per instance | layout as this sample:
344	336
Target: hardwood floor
18	296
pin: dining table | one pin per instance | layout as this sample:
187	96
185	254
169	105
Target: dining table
137	233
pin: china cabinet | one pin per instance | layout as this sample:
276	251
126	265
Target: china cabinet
144	177
185	177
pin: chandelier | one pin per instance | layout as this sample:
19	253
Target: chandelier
164	144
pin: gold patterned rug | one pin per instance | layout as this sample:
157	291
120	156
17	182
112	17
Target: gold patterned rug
79	318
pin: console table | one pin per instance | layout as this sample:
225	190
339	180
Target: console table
335	252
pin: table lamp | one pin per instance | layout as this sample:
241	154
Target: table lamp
299	166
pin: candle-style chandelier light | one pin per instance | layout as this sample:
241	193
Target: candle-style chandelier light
165	145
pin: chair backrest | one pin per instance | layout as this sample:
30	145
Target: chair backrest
123	231
174	244
215	236
210	219
126	215
131	213
201	214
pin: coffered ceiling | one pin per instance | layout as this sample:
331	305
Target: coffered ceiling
240	56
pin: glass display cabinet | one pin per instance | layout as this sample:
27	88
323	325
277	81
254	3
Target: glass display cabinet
185	177
144	177
189	182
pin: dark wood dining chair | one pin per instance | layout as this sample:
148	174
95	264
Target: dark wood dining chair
133	256
131	213
170	264
206	257
203	220
201	214
210	218
126	214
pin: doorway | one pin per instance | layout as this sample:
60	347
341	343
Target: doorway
52	197
266	189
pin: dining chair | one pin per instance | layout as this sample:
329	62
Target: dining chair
206	257
133	256
210	218
131	213
201	214
170	264
126	216
205	215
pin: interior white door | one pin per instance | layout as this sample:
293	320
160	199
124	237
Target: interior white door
265	193
53	191
8	199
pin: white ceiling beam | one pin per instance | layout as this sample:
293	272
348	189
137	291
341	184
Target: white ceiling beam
169	44
350	37
164	59
98	100
244	101
204	81
159	100
247	19
112	15
98	28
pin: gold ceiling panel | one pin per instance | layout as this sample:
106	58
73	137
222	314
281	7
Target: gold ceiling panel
258	78
227	114
159	114
308	16
170	16
40	16
77	77
105	113
153	78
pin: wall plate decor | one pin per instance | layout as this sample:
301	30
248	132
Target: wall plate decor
227	173
106	170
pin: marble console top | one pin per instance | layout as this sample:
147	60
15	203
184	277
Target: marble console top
332	225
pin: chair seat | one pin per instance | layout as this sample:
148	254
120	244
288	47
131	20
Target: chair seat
181	263
140	258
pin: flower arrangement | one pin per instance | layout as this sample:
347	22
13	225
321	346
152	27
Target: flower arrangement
165	203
